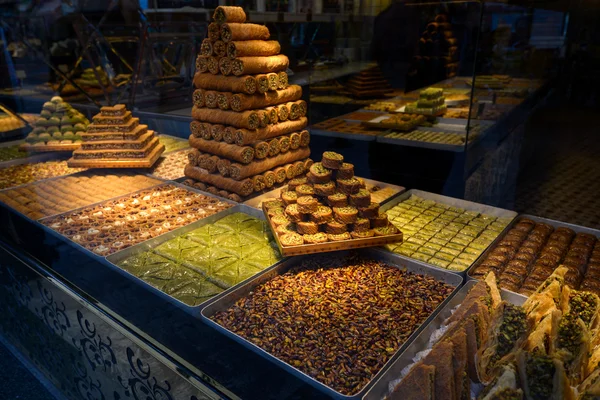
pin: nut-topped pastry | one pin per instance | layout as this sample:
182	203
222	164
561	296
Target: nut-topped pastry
332	160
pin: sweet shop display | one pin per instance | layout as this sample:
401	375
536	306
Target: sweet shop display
489	347
328	205
172	143
369	83
331	335
117	224
201	263
115	139
17	175
530	251
59	128
51	197
249	123
171	165
431	102
443	235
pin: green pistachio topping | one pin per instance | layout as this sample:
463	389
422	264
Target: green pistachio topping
540	371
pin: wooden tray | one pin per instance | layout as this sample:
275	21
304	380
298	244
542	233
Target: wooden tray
123	163
331	246
48	148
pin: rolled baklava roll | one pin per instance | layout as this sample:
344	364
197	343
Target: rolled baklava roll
225	14
259	65
231	32
236	84
253	48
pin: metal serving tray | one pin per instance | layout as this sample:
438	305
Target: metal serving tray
380	389
257	201
34	159
554	223
113	259
79	247
467	205
227	300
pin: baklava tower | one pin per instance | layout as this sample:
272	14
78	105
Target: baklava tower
248	130
115	139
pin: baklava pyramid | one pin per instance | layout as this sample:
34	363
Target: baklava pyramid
115	139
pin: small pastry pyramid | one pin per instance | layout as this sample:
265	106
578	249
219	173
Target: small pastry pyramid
248	132
369	83
115	139
431	102
58	128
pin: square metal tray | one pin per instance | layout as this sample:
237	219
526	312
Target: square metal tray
79	247
113	259
380	389
467	205
554	223
227	300
256	202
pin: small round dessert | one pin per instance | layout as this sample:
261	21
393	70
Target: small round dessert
294	183
324	189
332	160
291	239
289	197
279	220
335	228
361	224
48	106
319	174
363	234
345	215
380	221
307	204
315	238
361	199
307	227
272	212
283	229
372	211
322	215
340	236
389	229
293	213
52	129
346	171
348	186
305	190
337	200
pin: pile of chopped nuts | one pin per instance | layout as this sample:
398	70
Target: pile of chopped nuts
338	321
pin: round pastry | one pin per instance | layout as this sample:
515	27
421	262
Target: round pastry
348	186
293	213
322	215
69	136
324	189
78	127
54	121
361	224
52	129
307	227
50	107
340	236
38	130
307	204
56	99
31	138
380	221
42	122
305	190
316	238
389	229
363	234
45	114
283	229
268	204
345	215
361	199
57	135
337	200
372	211
294	183
289	197
346	171
44	136
335	228
291	239
270	212
319	174
278	220
66	128
362	183
332	160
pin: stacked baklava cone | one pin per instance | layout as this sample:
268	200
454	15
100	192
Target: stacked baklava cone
248	132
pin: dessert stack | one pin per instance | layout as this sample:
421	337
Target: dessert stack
369	83
115	139
58	128
431	102
248	132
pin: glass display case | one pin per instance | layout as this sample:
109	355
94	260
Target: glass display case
168	169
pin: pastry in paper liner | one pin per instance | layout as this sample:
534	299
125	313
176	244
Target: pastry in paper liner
543	377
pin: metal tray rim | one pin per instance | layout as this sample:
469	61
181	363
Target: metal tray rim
372	252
